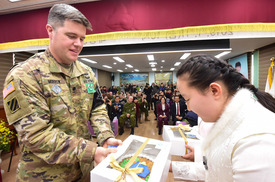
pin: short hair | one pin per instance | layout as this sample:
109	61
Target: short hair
237	64
61	12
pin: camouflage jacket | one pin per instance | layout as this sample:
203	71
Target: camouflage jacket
129	108
50	107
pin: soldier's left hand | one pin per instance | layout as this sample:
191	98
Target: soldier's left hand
112	142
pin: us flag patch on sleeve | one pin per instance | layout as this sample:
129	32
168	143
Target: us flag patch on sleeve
8	89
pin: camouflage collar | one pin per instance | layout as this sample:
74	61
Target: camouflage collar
75	70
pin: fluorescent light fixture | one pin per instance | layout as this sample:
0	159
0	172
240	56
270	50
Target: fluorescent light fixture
128	65
163	61
136	70
132	71
119	70
119	59
161	67
150	57
106	66
126	68
153	63
88	60
185	55
154	69
172	69
222	54
13	1
114	62
177	64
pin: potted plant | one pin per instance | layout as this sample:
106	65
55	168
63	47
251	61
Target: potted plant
5	136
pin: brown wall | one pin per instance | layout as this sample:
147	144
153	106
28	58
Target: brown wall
104	78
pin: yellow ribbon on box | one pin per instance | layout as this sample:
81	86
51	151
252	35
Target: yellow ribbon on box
184	128
133	171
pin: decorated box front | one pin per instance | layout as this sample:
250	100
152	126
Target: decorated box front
154	157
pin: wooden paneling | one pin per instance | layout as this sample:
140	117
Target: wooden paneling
104	78
5	65
265	53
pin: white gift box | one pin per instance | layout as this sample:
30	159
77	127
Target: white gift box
178	143
155	150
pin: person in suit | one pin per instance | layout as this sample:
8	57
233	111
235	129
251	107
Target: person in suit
178	110
163	113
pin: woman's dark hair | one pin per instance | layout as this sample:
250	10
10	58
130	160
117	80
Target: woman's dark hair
202	70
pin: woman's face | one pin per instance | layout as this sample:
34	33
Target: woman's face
208	104
162	100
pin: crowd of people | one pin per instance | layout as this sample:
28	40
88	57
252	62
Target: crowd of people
127	103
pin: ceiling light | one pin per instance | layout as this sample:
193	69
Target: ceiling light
136	70
160	70
150	57
185	55
13	1
161	67
163	61
88	60
177	64
119	70
106	66
126	68
128	65
222	54
154	69
132	71
119	59
172	69
114	62
153	63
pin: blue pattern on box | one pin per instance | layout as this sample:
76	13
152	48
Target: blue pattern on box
145	171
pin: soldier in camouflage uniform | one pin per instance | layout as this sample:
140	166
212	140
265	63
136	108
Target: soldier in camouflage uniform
129	112
50	98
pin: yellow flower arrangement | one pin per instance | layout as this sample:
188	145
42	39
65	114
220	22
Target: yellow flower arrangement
5	136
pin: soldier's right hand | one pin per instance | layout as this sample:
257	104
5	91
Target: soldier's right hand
101	153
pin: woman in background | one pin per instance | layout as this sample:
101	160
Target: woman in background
163	112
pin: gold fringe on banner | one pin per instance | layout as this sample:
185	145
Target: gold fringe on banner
133	171
239	27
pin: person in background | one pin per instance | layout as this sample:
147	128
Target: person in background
122	99
137	111
54	97
117	108
162	87
243	135
148	91
129	112
163	113
143	106
177	110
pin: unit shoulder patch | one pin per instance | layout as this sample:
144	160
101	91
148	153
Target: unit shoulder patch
13	105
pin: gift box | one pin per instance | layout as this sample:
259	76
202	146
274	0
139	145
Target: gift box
149	156
173	135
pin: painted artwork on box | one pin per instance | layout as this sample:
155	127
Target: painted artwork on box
137	78
164	77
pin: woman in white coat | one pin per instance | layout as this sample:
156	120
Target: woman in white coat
241	144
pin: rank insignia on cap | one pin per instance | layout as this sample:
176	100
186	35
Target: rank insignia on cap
8	89
13	105
56	89
90	87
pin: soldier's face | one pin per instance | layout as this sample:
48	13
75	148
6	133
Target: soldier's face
66	42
